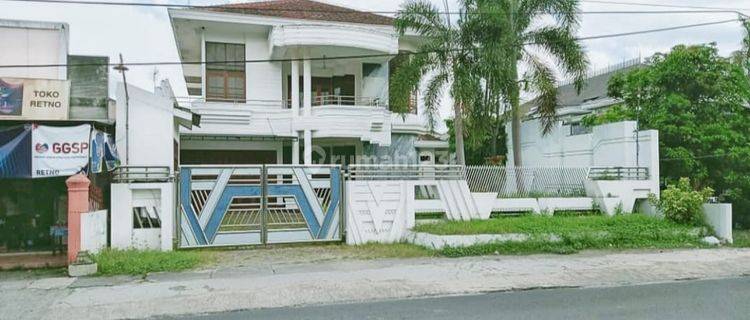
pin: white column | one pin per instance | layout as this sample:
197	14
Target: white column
204	81
308	147
307	86
295	88
295	150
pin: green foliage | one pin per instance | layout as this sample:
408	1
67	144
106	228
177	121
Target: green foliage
741	238
575	232
449	64
481	148
697	101
390	250
613	114
135	262
477	59
544	225
681	204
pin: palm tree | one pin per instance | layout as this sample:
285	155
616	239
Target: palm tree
512	33
443	60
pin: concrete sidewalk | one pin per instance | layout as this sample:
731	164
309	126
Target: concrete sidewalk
262	286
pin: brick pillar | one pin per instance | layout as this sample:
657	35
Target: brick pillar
78	203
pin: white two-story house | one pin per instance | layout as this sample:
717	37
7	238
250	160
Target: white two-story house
292	99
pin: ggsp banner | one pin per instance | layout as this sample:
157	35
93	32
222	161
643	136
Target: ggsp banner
34	99
59	151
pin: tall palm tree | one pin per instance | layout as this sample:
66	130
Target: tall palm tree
520	34
443	60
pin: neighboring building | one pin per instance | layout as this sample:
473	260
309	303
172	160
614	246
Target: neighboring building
263	112
621	161
570	143
39	107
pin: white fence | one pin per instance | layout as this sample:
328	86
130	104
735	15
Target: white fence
517	182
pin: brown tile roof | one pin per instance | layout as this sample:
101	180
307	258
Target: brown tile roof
304	9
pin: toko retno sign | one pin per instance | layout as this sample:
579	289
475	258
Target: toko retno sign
34	99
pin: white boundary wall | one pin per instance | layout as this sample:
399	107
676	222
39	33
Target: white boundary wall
126	196
384	210
94	231
608	145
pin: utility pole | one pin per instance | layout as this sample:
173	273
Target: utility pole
122	68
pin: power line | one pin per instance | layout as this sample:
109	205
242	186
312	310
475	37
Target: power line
352	11
349	57
679	6
656	30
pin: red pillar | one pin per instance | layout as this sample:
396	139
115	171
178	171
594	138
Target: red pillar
78	203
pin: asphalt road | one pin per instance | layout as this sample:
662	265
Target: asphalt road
702	299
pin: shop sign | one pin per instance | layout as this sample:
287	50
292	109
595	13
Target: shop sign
34	99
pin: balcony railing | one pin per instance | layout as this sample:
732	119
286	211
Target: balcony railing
403	172
129	174
338	100
240	102
317	101
619	173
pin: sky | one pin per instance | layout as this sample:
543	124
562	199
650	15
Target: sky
143	34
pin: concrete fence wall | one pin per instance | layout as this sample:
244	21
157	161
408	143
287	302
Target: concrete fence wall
131	231
384	210
94	231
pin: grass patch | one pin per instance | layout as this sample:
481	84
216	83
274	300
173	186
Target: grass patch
576	233
538	224
741	238
135	262
392	250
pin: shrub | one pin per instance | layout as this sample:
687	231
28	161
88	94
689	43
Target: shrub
681	204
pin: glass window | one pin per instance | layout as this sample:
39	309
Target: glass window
578	128
225	71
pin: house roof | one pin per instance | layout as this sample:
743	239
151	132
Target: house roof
594	90
305	10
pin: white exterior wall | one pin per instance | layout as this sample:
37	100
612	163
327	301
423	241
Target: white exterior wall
150	135
278	38
608	145
30	42
611	144
263	80
148	142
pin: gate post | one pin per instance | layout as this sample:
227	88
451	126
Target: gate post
263	204
78	203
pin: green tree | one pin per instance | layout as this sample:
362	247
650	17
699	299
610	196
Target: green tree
445	60
697	100
481	149
526	34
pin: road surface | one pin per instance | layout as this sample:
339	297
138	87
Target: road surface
701	299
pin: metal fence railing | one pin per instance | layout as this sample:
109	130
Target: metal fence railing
404	172
527	182
619	173
126	174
